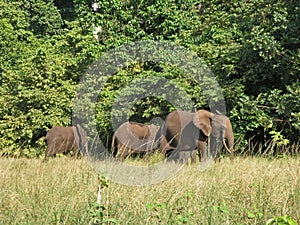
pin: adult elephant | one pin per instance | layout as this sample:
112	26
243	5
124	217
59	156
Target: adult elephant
186	131
134	138
60	139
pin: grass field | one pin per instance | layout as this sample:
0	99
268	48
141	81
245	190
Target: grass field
64	191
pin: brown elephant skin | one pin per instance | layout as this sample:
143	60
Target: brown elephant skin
186	131
134	138
60	139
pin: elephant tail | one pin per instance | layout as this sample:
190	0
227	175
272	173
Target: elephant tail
113	144
37	136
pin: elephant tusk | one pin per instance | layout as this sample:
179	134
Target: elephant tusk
225	145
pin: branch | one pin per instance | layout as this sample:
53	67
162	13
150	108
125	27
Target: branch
266	107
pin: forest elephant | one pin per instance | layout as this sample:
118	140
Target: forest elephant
183	132
60	139
134	138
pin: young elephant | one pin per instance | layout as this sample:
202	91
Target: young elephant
187	131
133	138
61	139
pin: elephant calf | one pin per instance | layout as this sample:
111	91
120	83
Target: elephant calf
61	139
133	138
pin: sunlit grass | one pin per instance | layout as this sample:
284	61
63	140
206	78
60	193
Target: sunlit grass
62	191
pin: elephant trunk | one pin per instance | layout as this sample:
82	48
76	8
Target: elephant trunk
231	142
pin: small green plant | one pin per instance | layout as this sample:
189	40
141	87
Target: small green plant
255	213
177	213
98	213
156	206
252	215
218	213
278	138
221	208
282	220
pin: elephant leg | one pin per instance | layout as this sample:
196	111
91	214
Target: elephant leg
146	156
76	151
47	156
148	151
193	156
201	145
122	152
126	152
50	150
163	145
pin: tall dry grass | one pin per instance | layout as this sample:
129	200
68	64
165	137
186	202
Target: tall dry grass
250	190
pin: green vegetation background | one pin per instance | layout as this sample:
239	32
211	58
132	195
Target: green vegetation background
252	47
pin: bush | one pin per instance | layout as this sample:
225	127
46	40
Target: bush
252	48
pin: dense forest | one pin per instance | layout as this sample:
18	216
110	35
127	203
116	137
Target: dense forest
252	48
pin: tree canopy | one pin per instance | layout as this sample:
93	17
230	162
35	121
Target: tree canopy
252	47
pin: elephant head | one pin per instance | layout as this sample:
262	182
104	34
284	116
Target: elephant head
216	126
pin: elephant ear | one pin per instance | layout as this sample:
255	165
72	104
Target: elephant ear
202	120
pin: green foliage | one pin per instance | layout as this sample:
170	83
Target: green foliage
37	74
98	213
246	44
282	220
146	81
175	214
252	47
43	16
30	96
